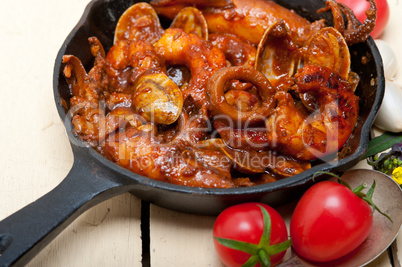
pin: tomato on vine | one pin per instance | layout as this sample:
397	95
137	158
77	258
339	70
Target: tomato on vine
331	220
250	234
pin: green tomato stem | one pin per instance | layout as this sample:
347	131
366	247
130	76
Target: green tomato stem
367	197
264	258
261	252
359	188
252	261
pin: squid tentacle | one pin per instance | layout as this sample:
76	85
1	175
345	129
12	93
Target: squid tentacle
359	34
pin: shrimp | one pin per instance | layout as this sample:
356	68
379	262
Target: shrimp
324	132
144	154
203	60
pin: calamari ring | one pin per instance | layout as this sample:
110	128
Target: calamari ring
219	105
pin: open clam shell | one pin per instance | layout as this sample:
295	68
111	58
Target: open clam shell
139	22
253	162
328	48
191	20
157	98
276	56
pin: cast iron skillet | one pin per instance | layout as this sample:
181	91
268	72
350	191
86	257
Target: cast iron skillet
94	179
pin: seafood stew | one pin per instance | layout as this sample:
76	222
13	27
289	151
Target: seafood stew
188	104
93	178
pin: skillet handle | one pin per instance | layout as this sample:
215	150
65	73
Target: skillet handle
27	231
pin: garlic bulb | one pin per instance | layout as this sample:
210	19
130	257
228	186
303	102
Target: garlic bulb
389	116
388	58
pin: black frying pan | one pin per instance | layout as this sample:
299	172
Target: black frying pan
94	179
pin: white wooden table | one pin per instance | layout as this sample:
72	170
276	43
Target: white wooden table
35	154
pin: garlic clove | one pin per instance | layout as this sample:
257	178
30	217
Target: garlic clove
388	58
389	116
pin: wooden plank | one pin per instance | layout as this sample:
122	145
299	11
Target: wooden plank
106	235
35	152
179	239
397	249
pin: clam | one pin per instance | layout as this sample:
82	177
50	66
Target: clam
254	162
191	20
139	23
157	98
328	48
276	54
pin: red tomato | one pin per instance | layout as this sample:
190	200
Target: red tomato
245	222
359	7
329	221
